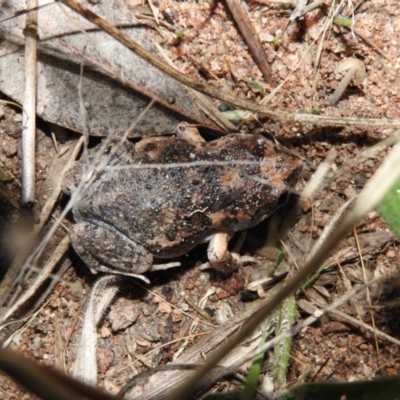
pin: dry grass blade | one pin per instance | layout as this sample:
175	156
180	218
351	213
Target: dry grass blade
153	330
216	93
296	329
164	383
377	333
47	383
10	278
39	280
378	186
368	292
73	42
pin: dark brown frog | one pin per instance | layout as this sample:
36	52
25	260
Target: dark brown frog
160	197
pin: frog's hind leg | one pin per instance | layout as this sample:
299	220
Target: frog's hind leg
104	250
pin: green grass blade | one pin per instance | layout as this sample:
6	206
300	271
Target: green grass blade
250	387
389	208
347	22
280	359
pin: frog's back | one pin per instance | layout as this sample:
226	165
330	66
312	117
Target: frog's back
182	192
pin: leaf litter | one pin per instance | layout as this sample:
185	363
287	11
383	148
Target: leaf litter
343	352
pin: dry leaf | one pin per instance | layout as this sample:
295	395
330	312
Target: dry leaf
116	84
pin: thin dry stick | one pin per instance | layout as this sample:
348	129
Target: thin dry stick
29	116
326	30
368	292
317	314
368	41
150	353
23	324
353	29
216	93
363	325
251	38
372	194
5	288
43	275
11	276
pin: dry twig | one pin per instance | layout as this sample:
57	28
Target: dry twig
29	115
216	93
251	38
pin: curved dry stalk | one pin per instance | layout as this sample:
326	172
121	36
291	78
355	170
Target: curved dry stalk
85	367
371	195
196	84
355	70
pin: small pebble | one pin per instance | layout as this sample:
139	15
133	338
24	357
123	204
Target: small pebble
391	254
18	118
10	148
11	128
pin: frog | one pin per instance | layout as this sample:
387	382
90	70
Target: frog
158	198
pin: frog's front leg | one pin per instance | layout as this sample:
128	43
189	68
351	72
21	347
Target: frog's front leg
189	132
105	249
218	254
